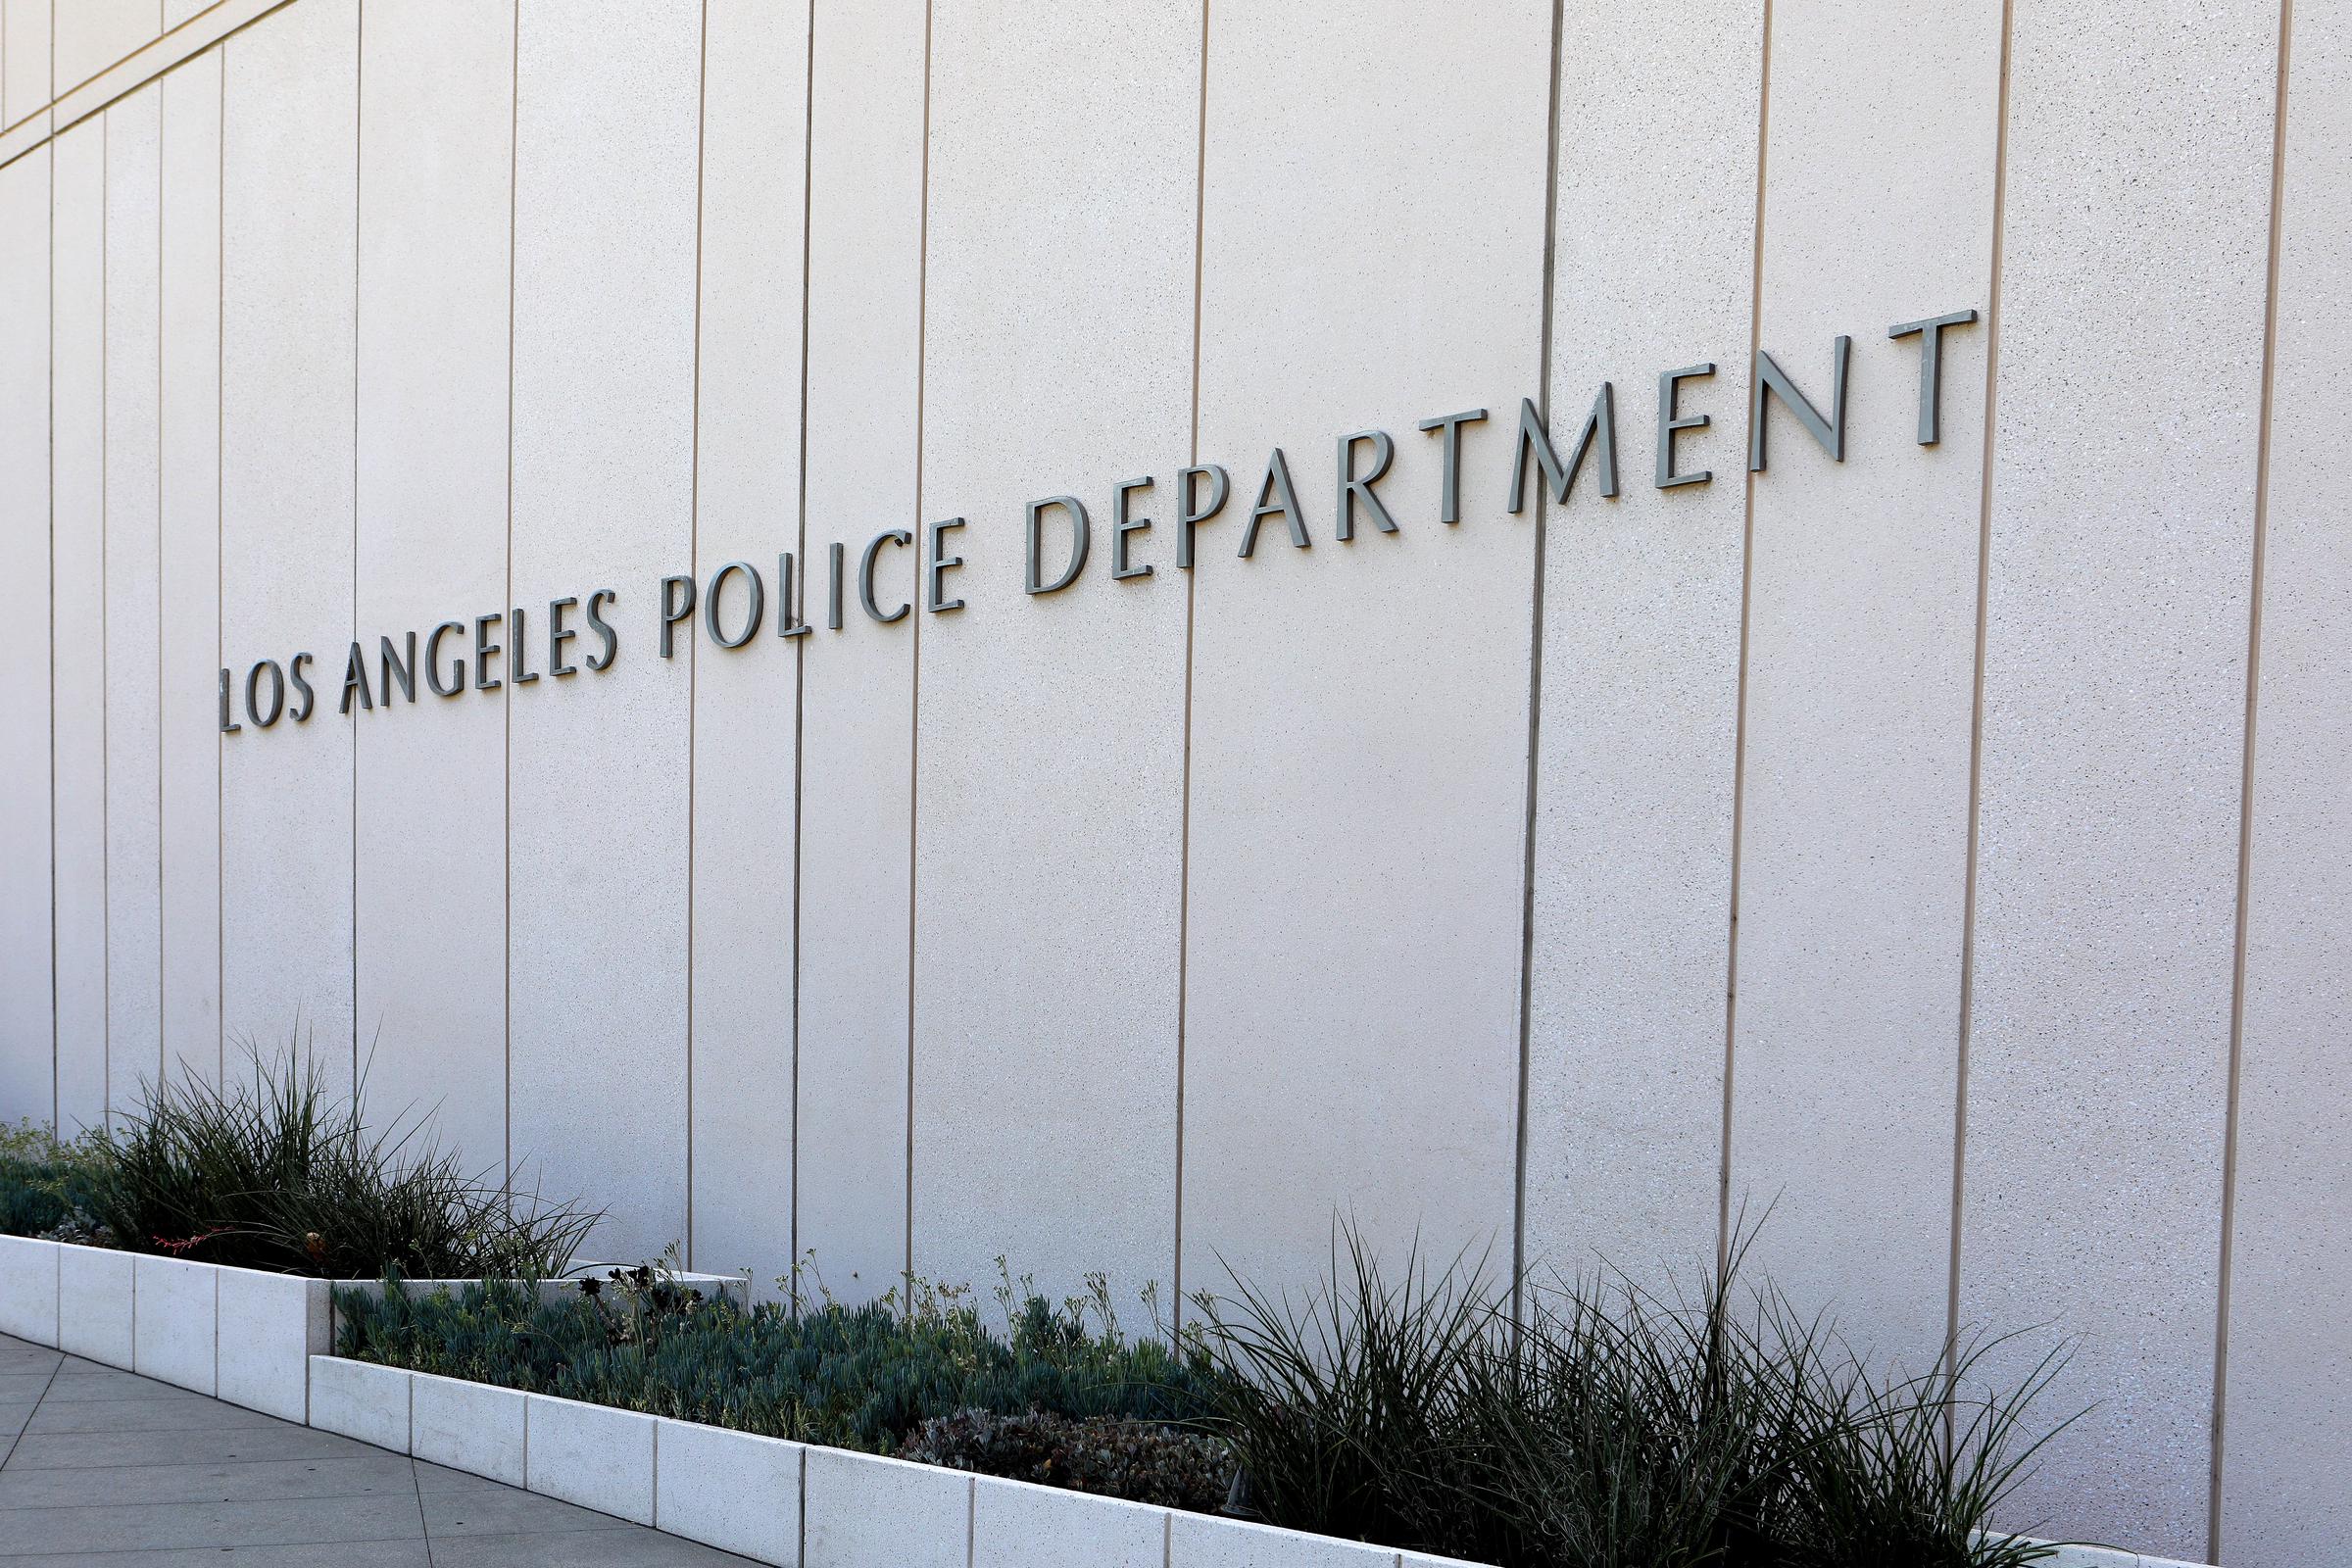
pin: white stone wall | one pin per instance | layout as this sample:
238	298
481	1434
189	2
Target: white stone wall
1943	847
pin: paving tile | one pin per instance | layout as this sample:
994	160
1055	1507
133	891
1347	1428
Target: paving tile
46	1450
204	1483
440	1478
83	1383
145	1415
410	1553
152	1526
631	1547
496	1510
20	1386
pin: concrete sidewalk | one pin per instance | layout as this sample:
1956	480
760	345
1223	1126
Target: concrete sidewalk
106	1468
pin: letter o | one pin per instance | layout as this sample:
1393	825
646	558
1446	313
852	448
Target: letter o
278	693
710	604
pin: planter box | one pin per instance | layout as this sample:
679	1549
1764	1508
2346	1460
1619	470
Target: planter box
95	1299
259	1340
1198	1540
859	1512
735	1491
361	1400
29	1289
591	1454
475	1427
175	1322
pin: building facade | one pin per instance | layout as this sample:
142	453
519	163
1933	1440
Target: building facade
892	632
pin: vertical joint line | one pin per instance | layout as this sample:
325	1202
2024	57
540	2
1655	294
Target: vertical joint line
1184	782
1976	729
800	655
694	565
2245	796
1535	686
1747	573
914	702
506	708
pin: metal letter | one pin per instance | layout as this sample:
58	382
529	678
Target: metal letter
1121	525
1384	452
558	634
1600	430
1669	384
710	604
673	610
866	574
355	681
1188	516
228	725
432	661
1768	377
595	625
1930	368
278	693
940	566
1449	509
517	674
397	668
833	602
484	650
1082	531
788	624
302	688
1285	500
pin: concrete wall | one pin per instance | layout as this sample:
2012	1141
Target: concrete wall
1940	848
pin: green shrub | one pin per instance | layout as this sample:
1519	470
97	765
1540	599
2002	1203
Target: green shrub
1113	1457
854	1376
1604	1427
45	1183
283	1173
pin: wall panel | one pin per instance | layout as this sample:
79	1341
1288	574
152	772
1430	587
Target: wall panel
289	195
865	221
604	478
1359	709
2289	1407
1861	663
1050	733
1641	640
77	521
133	600
189	739
435	162
27	1041
2122	517
755	131
23	58
93	35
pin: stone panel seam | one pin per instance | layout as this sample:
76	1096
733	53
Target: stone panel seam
2245	809
106	836
1747	571
1534	676
694	565
1184	813
506	708
800	657
914	699
1975	723
67	109
359	174
163	1023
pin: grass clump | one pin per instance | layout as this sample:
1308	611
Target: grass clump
1606	1427
282	1172
920	1373
45	1183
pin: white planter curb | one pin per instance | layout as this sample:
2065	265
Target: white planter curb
361	1400
259	1340
475	1427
